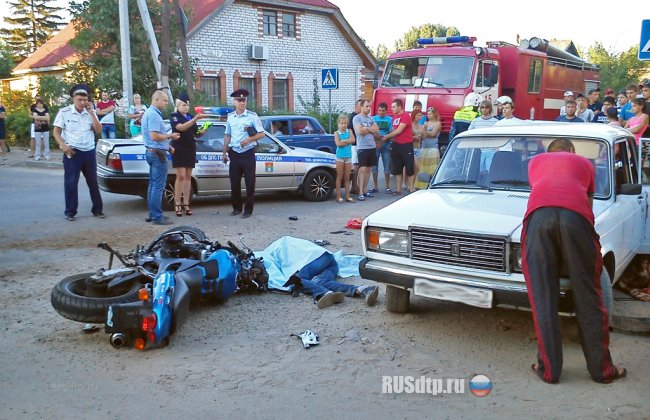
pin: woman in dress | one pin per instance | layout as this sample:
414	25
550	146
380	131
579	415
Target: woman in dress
429	154
41	119
134	114
184	156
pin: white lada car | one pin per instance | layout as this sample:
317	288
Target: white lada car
123	169
459	240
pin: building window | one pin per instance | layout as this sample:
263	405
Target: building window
280	95
270	22
249	85
289	25
535	76
212	88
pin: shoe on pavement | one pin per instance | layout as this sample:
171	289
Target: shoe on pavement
369	294
369	194
246	215
162	221
329	299
148	219
235	212
361	198
99	215
373	190
70	217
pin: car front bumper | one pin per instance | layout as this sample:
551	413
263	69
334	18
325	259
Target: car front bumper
505	293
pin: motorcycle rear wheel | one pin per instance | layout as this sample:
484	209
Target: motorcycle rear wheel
70	298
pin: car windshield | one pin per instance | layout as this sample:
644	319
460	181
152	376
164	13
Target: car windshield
441	71
502	162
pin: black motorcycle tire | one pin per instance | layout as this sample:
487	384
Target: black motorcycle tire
69	301
192	231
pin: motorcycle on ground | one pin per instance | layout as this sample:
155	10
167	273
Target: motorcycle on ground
146	301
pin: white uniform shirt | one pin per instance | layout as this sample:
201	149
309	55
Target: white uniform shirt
76	128
236	126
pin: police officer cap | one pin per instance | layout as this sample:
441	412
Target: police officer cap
80	89
184	97
240	94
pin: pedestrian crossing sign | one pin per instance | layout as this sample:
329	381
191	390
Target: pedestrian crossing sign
644	47
329	78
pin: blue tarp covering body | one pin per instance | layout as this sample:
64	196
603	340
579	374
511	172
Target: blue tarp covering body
287	255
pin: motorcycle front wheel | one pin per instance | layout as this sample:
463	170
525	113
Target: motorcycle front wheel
75	299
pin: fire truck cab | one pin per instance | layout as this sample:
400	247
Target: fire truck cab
443	71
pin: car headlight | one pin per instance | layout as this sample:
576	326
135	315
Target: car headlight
392	241
515	258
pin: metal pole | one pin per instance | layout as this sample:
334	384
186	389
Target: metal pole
329	111
153	45
125	44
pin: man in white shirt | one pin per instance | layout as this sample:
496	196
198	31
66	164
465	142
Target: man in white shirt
508	116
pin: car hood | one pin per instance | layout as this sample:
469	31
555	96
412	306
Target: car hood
311	153
476	211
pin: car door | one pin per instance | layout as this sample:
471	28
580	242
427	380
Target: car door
631	209
275	166
280	128
304	133
210	173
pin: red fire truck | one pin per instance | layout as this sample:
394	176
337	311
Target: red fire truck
444	70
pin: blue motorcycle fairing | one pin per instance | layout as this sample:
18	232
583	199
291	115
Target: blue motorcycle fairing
224	286
163	289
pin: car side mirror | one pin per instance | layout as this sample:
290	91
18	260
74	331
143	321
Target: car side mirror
630	189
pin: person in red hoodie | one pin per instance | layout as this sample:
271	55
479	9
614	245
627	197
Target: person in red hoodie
559	231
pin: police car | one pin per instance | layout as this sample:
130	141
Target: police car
122	167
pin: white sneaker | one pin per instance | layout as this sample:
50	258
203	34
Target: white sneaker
37	158
47	158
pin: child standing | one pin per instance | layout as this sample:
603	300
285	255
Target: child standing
343	138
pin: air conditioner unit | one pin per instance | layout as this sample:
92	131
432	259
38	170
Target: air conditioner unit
259	52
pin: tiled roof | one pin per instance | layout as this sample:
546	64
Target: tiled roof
54	52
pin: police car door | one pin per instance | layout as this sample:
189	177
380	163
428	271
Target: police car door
210	173
275	167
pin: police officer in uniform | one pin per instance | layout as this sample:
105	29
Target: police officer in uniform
243	130
74	130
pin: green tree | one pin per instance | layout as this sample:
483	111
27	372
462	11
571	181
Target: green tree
617	70
382	52
31	24
428	30
98	41
6	61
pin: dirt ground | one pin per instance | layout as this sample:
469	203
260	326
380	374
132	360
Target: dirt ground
237	359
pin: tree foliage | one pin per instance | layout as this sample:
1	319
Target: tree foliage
428	30
382	52
31	23
617	70
6	61
98	42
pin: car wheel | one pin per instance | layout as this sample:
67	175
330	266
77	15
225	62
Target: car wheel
168	194
318	185
397	299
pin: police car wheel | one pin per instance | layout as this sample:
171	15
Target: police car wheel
168	194
318	185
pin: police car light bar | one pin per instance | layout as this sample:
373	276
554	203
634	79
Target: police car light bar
213	110
443	40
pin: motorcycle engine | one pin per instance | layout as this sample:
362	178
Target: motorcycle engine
172	246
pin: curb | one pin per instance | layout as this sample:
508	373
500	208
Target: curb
46	164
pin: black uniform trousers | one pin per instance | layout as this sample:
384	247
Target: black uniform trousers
242	164
552	238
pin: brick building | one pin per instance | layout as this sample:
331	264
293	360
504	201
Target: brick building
275	49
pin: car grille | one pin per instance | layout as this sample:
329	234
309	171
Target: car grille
459	249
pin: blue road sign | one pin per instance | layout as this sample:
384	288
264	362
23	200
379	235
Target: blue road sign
329	78
644	48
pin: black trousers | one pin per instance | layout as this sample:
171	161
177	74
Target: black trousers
554	237
242	164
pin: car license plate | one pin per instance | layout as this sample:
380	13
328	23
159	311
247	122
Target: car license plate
481	298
